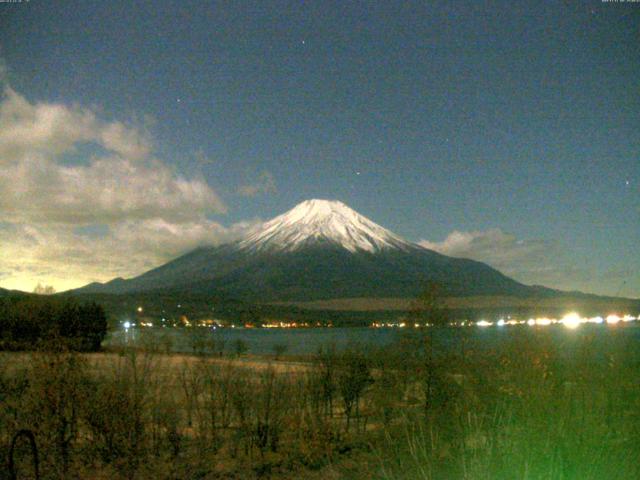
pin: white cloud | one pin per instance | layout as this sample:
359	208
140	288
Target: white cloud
264	184
26	128
127	142
498	249
534	262
529	261
147	211
57	255
166	240
125	183
38	189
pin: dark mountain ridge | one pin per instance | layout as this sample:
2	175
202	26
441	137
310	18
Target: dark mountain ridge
319	250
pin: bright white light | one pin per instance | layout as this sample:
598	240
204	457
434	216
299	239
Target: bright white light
628	318
127	325
501	322
531	321
484	323
596	320
613	319
571	320
139	309
543	321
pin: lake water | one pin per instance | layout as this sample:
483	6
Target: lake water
304	341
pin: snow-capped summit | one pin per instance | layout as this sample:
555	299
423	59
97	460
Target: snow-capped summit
322	221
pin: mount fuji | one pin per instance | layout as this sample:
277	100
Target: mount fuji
322	221
318	250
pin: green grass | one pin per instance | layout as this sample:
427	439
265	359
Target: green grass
529	412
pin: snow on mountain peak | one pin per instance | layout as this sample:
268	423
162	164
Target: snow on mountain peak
322	221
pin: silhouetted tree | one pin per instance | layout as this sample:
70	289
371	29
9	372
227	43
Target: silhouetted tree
428	312
428	309
44	289
353	377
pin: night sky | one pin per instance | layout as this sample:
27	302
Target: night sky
508	132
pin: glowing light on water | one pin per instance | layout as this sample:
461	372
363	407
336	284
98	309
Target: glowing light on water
571	320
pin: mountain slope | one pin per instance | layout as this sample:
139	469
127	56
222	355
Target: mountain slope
324	272
319	250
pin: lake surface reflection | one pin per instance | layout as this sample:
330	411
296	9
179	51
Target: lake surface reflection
305	341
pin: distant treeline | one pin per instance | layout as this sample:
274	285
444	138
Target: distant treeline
29	322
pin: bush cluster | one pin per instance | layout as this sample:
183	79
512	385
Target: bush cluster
136	414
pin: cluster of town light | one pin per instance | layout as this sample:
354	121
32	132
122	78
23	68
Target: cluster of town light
570	320
280	324
213	323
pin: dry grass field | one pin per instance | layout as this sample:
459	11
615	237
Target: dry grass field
527	409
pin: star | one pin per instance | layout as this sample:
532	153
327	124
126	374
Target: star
178	100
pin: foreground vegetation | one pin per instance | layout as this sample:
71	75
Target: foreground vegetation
530	409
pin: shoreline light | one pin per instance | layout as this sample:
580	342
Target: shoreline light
571	320
613	319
